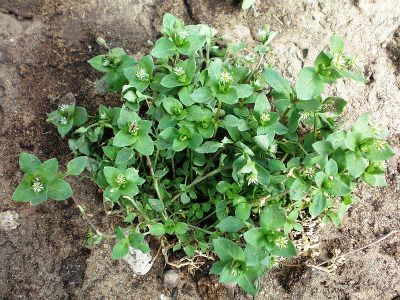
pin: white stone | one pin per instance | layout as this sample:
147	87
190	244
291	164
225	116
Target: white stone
9	220
138	262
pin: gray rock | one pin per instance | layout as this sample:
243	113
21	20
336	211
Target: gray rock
171	279
139	262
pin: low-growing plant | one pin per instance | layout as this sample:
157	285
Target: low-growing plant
210	154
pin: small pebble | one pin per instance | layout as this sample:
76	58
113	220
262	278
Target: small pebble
9	220
171	279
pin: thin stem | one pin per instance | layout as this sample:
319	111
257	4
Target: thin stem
284	156
155	183
137	207
217	117
302	149
208	54
173	167
284	114
315	127
255	69
274	196
198	228
82	210
191	165
176	59
207	217
200	179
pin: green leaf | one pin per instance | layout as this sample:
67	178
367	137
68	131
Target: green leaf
273	218
111	175
242	211
189	250
120	250
246	282
80	116
144	145
231	224
195	141
319	203
48	170
24	192
336	44
298	189
244	90
230	97
77	165
254	256
255	237
227	250
323	147
28	162
334	104
157	229
359	77
209	147
374	179
123	138
309	85
194	113
201	95
337	188
277	82
124	155
170	81
355	164
163	48
331	168
261	106
59	190
156	204
217	267
288	251
181	228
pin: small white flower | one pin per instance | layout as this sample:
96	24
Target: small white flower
120	179
225	76
249	58
305	115
380	145
236	272
64	107
257	84
376	130
309	172
63	121
273	148
37	185
133	127
262	33
183	34
179	71
265	117
382	164
103	116
253	179
141	74
338	61
282	242
356	61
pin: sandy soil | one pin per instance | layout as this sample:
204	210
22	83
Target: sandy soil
44	46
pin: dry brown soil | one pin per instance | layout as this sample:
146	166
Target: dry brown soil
44	46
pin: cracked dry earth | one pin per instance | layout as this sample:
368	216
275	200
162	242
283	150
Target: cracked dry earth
44	46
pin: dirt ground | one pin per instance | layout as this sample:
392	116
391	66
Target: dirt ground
44	46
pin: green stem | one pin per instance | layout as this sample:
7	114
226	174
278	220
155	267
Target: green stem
208	54
284	156
198	228
82	210
173	167
217	117
191	166
200	179
137	207
176	59
302	149
255	69
206	217
315	127
155	184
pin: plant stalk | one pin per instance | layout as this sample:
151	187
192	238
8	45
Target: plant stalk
255	69
200	179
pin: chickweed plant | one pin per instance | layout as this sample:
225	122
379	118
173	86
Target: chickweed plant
213	153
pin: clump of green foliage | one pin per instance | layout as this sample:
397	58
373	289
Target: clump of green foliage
210	154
